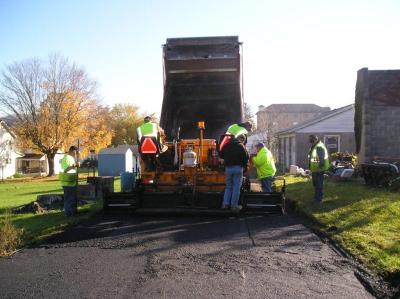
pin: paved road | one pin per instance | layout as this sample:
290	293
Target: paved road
119	256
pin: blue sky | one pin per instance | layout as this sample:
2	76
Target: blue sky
294	51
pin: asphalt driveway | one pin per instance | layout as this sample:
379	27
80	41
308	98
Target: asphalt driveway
122	256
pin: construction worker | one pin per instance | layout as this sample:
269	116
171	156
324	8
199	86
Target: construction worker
239	129
235	158
318	163
148	128
69	181
151	129
265	166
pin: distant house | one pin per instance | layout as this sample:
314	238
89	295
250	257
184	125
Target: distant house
335	129
278	117
28	163
37	164
32	164
8	152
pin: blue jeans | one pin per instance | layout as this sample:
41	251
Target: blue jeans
70	200
266	184
233	179
318	183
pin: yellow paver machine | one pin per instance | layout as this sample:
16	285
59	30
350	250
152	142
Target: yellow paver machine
202	97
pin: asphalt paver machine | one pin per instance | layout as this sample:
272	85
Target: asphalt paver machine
202	97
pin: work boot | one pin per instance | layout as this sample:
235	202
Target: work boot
237	208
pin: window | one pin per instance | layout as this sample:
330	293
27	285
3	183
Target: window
332	143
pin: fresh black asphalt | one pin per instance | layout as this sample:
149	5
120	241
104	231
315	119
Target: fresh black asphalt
124	256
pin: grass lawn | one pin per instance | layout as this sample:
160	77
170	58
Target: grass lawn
364	220
35	227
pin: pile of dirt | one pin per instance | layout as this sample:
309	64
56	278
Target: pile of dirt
43	204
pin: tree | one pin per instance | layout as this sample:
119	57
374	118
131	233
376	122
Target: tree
267	131
97	132
52	102
124	120
248	114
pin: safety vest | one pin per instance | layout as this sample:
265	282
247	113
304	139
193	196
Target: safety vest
264	163
147	129
68	179
236	130
314	159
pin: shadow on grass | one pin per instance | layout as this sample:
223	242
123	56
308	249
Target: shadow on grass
59	190
336	194
362	218
36	227
346	206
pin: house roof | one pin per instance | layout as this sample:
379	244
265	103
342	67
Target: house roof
114	150
7	128
315	120
294	108
32	157
134	148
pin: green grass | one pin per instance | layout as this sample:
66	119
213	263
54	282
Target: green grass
15	193
36	227
364	220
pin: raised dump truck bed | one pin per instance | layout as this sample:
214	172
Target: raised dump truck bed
202	82
202	97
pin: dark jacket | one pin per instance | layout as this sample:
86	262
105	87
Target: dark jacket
234	153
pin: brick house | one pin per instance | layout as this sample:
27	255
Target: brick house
278	117
378	115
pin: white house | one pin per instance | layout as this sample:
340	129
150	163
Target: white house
8	152
37	164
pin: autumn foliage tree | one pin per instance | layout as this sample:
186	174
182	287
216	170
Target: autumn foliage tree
124	120
53	103
97	133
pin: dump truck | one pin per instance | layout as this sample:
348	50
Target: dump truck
203	95
202	81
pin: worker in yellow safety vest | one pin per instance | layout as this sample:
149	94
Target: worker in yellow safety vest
265	166
239	129
151	129
69	181
148	128
318	159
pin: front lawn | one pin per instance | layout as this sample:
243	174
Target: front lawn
35	227
364	220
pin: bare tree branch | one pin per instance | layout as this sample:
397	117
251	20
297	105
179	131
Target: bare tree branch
49	99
